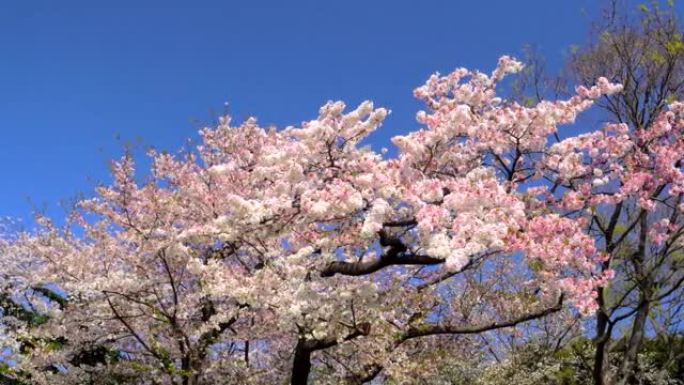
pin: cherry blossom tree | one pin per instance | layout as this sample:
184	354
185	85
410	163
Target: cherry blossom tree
644	53
266	256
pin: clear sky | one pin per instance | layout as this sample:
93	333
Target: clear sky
79	79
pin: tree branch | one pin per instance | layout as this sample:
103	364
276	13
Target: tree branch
428	330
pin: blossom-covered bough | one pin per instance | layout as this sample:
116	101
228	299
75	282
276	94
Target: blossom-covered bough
298	255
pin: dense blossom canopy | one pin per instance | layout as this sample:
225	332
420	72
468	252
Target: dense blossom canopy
297	254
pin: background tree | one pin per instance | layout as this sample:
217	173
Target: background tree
644	53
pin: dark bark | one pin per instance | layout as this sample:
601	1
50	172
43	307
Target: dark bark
301	364
389	259
436	329
628	368
395	255
602	338
603	330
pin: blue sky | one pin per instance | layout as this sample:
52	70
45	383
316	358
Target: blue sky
80	79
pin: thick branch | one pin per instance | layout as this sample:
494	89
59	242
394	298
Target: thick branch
301	365
210	337
367	267
432	329
395	255
428	330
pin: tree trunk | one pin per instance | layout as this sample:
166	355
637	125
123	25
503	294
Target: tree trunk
629	363
602	339
628	368
301	365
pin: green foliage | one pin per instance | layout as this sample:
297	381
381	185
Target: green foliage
534	363
95	356
8	376
10	308
51	295
667	352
